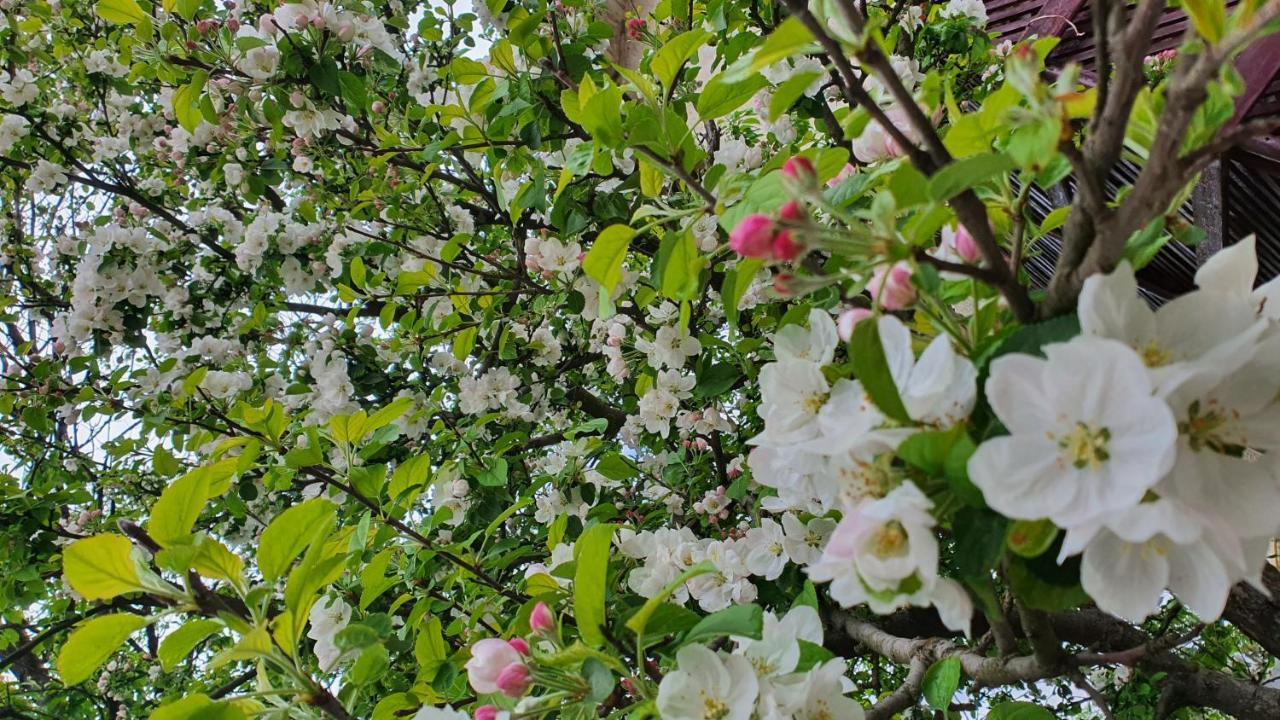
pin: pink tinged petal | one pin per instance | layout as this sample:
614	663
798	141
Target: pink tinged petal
1019	477
1125	579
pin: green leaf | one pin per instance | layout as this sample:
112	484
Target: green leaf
388	414
1209	17
289	534
941	681
371	665
186	103
92	642
1019	711
603	262
1031	538
1043	584
120	12
101	567
178	507
178	644
789	92
872	369
735	285
198	707
680	266
960	175
980	541
740	620
616	467
928	450
675	53
591	552
429	649
788	39
495	474
721	96
811	656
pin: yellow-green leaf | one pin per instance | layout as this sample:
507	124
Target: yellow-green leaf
591	552
120	12
178	507
675	53
603	262
92	642
178	644
289	534
101	567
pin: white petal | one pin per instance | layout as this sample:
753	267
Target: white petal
953	605
1109	307
1125	579
1018	477
1198	578
1016	393
1232	269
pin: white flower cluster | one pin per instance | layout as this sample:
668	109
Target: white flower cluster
762	552
328	617
759	679
1150	438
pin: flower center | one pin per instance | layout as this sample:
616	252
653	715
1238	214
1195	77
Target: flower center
1086	446
713	708
1154	356
1204	427
890	540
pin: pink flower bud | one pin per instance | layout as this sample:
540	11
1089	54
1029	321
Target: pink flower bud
792	213
297	99
519	645
961	244
486	712
798	174
753	237
848	320
301	22
233	24
514	680
541	620
891	286
785	247
346	32
317	22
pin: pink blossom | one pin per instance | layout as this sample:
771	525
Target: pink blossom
848	320
960	243
891	286
486	712
753	237
514	680
799	174
489	657
520	645
541	620
792	213
785	247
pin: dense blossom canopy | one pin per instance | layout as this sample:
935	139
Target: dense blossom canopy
514	359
